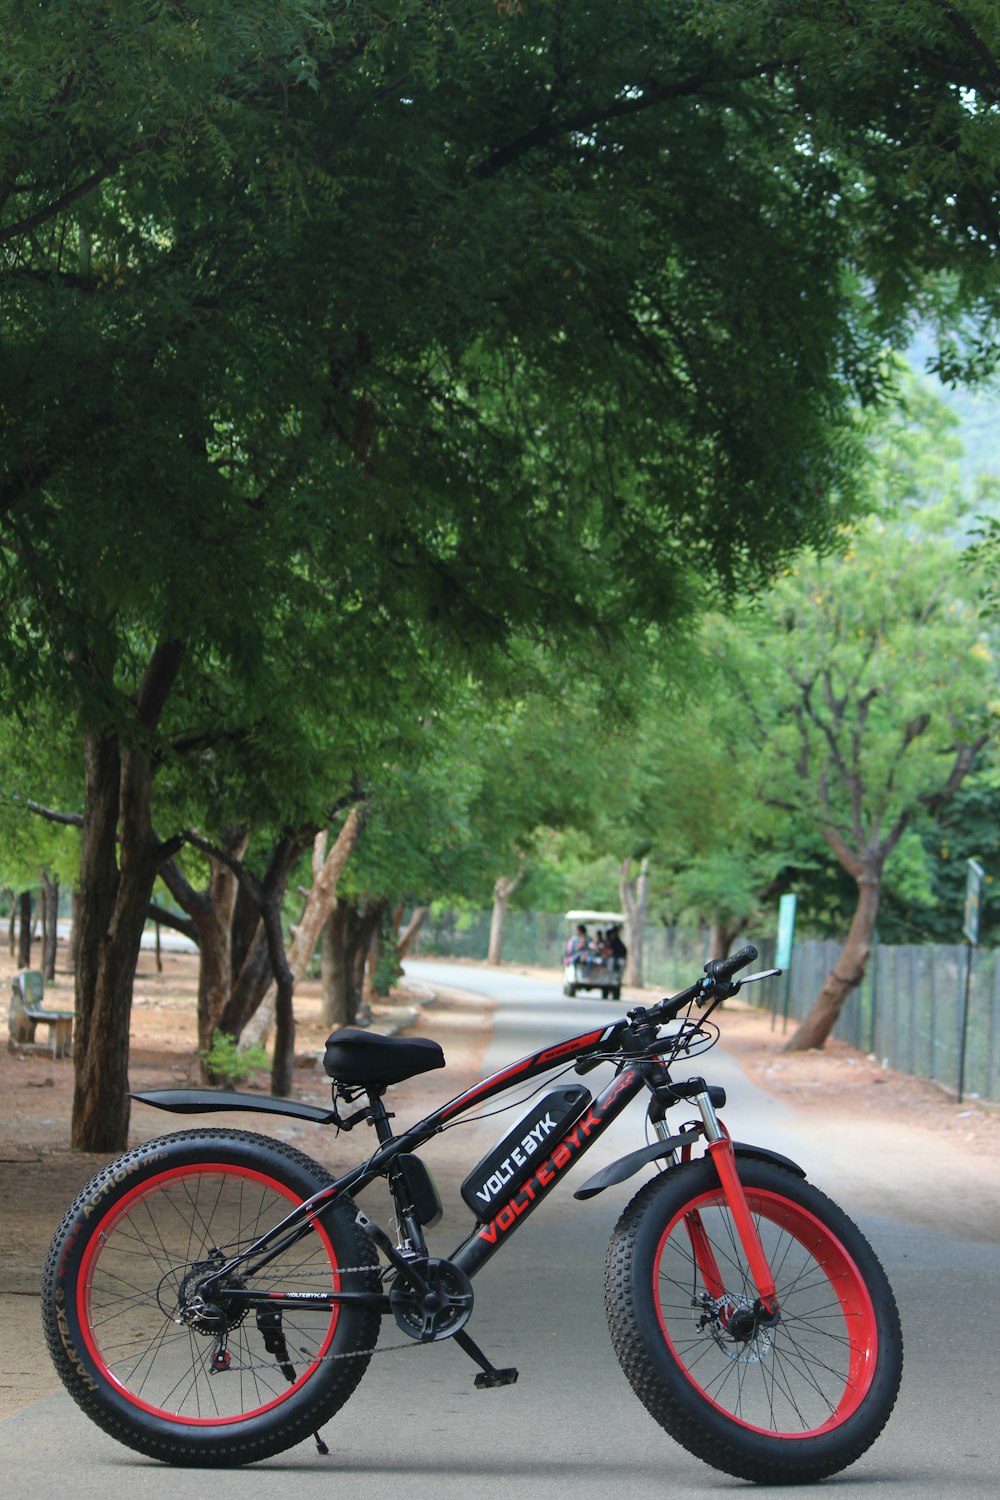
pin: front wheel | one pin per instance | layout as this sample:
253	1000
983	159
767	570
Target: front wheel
779	1402
219	1379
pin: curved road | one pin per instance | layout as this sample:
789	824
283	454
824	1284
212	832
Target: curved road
571	1426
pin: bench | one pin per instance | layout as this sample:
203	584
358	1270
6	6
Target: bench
27	1011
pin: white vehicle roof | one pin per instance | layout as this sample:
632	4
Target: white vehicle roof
595	916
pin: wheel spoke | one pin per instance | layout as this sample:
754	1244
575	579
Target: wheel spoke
144	1266
789	1378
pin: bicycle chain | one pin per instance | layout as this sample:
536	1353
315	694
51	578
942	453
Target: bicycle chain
353	1353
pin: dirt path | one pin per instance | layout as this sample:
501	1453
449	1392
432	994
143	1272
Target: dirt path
849	1099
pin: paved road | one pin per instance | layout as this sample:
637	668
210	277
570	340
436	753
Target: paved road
572	1426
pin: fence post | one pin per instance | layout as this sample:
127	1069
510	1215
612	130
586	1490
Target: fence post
970	950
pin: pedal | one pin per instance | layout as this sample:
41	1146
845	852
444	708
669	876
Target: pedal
490	1378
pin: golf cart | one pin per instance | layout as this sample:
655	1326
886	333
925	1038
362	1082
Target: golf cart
586	964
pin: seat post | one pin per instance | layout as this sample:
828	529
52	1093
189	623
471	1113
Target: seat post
411	1237
379	1115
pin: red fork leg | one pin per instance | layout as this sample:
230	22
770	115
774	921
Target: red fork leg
723	1155
704	1256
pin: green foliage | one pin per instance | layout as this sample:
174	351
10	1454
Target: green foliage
866	682
969	829
227	1064
347	347
825	715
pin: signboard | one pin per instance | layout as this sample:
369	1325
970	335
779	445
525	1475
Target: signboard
786	932
973	901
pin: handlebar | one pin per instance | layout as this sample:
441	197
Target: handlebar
717	985
722	969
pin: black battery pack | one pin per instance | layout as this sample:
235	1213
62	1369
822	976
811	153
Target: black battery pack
509	1164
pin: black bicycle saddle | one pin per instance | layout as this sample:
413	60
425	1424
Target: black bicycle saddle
373	1061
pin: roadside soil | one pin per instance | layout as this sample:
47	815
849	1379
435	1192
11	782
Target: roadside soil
906	1132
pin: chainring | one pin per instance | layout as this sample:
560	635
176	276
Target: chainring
445	1308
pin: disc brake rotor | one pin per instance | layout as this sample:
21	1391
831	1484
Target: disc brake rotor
716	1316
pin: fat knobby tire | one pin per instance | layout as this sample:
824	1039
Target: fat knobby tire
251	1410
667	1355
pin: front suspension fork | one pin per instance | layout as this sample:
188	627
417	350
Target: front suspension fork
720	1148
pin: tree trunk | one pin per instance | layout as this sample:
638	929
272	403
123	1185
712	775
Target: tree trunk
370	917
50	919
335	1006
347	935
215	968
327	869
244	930
211	914
113	913
74	929
119	858
283	1057
249	987
721	937
411	932
634	896
24	931
849	969
503	889
252	969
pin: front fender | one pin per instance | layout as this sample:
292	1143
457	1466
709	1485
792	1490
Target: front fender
627	1166
762	1153
208	1101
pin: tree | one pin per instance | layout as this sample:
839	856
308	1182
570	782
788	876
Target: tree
870	678
276	1003
297	348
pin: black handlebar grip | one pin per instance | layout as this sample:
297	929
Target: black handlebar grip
724	968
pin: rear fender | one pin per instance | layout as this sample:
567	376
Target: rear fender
212	1101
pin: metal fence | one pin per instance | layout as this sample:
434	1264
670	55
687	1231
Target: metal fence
907	1010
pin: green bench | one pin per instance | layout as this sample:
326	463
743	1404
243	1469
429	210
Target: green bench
27	1011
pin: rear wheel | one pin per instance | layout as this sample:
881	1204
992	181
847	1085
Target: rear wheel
782	1402
206	1379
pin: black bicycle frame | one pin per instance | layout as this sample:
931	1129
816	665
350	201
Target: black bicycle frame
486	1238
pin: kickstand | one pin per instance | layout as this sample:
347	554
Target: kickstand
491	1376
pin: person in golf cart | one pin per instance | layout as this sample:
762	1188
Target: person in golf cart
578	947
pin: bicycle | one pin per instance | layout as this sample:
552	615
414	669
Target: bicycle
214	1296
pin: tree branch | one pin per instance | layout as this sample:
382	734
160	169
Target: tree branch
648	96
71	820
107	169
846	856
964	757
157	681
164	918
